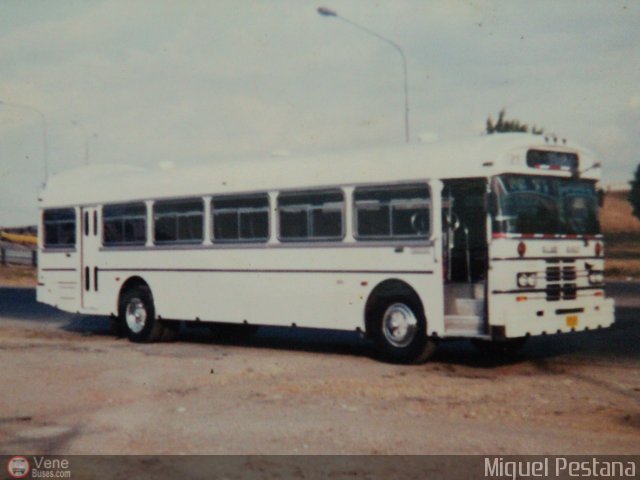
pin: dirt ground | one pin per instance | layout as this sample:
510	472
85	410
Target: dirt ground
68	387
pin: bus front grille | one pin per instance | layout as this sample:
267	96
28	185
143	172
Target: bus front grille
561	276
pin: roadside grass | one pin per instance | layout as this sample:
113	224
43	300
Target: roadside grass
622	255
616	215
17	276
621	237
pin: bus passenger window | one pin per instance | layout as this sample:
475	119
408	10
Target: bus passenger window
59	228
308	216
178	221
124	224
241	219
392	212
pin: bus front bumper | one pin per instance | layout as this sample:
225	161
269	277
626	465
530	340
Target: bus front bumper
540	318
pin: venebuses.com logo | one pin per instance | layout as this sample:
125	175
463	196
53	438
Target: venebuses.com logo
18	467
39	467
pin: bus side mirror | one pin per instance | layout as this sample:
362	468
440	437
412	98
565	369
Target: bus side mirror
601	195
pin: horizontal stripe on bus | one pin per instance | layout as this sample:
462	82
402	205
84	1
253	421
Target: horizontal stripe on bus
59	269
238	270
550	259
544	290
547	236
262	245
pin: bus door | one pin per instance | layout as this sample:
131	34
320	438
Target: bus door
89	246
465	255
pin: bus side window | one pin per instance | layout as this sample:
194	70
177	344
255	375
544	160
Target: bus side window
124	224
59	228
178	221
311	216
240	219
392	212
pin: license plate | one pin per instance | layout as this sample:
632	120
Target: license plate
572	321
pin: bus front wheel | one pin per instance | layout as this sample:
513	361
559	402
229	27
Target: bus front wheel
401	332
138	317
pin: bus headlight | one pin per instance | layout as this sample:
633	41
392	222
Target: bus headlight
596	276
525	280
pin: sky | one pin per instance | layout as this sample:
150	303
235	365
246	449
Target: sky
148	82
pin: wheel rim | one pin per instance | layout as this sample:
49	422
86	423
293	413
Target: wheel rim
399	325
136	315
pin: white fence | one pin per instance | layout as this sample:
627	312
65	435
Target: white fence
17	255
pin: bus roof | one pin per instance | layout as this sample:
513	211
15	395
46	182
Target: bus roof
480	156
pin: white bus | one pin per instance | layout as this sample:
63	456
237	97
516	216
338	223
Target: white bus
495	238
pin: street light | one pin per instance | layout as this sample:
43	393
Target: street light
44	133
85	138
327	12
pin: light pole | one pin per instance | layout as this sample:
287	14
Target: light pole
327	12
85	138
44	133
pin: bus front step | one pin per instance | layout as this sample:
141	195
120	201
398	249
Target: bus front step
468	307
464	325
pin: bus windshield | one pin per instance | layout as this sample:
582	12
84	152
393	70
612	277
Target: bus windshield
546	205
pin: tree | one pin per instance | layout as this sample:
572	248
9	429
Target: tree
503	126
634	193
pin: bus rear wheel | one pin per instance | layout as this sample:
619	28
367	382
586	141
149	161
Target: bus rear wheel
401	332
138	317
